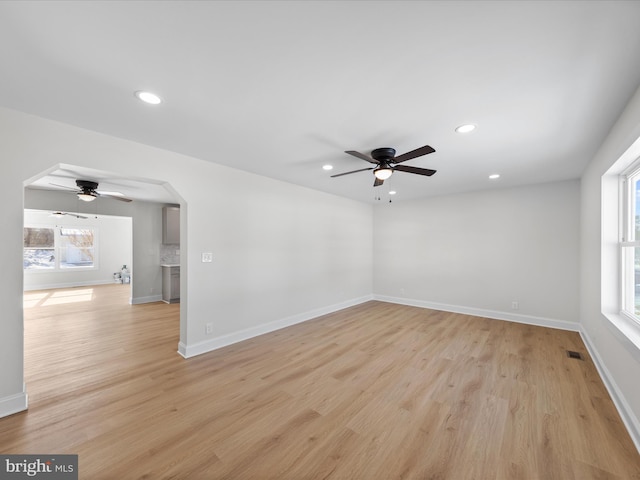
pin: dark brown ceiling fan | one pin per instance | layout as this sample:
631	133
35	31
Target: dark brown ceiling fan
386	163
88	191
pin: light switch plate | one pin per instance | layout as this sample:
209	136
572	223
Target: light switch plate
207	257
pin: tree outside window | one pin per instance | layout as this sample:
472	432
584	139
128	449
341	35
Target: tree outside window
39	249
76	247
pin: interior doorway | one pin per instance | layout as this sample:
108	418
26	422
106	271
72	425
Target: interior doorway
61	190
72	311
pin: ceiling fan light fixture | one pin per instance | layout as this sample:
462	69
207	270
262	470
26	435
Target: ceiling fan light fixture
87	196
382	173
466	128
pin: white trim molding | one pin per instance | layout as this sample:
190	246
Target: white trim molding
625	411
188	351
14	403
50	286
149	299
479	312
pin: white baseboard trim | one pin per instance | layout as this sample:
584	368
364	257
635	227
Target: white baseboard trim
149	299
14	403
626	413
479	312
28	288
188	351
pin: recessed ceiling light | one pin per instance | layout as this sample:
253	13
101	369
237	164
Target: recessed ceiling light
392	192
466	128
327	167
148	97
494	176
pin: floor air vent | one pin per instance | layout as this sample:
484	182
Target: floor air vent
576	355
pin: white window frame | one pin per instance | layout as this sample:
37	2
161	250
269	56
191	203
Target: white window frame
628	243
612	215
57	247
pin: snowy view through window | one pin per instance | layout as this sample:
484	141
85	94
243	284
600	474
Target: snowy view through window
62	248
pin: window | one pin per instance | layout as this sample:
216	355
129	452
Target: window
630	241
39	249
59	248
76	247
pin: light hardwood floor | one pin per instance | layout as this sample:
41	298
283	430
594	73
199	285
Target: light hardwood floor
377	391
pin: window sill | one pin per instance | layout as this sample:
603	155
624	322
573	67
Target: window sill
628	328
29	271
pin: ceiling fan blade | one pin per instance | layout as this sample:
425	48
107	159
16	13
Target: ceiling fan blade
418	152
63	186
420	171
353	171
60	214
115	197
377	182
362	156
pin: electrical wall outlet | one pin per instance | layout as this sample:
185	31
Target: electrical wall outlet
207	257
209	328
515	305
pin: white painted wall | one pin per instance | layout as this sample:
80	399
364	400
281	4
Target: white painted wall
113	248
618	358
282	253
146	220
478	252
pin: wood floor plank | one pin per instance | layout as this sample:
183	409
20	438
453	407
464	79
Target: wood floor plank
376	391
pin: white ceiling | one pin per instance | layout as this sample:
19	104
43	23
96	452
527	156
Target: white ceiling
281	88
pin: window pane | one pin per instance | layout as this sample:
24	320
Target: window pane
38	237
636	217
38	251
38	258
636	282
631	281
76	247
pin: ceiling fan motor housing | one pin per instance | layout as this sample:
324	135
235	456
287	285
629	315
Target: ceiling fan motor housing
87	185
383	154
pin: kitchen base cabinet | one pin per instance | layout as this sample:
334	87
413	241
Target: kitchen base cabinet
171	283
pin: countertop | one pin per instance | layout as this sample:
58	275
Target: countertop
170	265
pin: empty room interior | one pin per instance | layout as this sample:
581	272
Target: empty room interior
321	240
